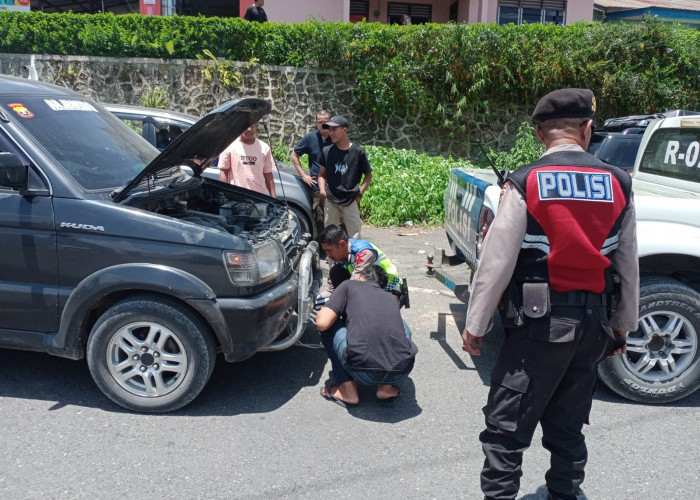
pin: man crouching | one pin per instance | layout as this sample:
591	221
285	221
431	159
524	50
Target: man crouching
366	340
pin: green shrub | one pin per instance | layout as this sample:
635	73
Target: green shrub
154	97
526	149
406	186
450	72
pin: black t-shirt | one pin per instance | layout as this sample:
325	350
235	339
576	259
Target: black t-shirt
376	337
254	13
312	144
344	170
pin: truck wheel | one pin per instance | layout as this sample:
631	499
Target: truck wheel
149	354
662	363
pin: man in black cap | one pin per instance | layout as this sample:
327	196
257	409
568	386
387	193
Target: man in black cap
563	249
344	166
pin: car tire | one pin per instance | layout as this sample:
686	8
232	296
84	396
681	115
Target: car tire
150	354
662	363
304	222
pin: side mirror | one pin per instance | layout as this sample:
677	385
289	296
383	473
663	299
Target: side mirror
13	173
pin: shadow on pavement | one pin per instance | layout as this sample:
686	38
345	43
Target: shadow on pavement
404	407
260	384
489	352
541	494
482	363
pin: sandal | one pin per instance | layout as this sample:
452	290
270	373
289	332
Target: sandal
326	393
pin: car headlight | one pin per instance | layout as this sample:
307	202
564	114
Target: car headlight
270	260
263	264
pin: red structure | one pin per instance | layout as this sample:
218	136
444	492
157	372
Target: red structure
149	7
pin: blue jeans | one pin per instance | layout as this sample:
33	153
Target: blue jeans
335	341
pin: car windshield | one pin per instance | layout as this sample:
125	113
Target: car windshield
673	152
91	144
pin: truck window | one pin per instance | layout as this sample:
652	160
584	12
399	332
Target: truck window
673	152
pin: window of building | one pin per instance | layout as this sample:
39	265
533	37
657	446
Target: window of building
401	13
359	10
531	11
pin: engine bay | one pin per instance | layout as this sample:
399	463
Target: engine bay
233	211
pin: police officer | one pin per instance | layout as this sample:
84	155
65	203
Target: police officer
563	249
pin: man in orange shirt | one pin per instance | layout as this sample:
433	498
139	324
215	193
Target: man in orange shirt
248	163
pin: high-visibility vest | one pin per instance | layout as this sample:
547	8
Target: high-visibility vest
356	246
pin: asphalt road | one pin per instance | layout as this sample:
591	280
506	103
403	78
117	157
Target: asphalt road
261	430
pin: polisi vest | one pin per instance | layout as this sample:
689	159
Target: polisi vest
356	246
575	207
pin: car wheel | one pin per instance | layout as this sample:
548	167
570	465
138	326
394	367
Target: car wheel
304	223
662	362
149	354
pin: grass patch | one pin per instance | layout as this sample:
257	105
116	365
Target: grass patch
406	186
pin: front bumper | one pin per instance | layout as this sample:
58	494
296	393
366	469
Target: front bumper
254	323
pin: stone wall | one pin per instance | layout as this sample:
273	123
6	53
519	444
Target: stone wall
296	94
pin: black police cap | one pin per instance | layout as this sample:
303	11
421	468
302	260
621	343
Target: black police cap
565	103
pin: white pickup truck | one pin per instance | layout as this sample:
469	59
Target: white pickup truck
662	363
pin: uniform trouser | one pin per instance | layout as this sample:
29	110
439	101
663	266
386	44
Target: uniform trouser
545	373
346	214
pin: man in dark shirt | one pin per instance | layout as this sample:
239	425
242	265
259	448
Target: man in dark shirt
256	12
372	345
312	144
343	165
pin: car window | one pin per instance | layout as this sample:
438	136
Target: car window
673	152
89	143
134	124
167	132
163	130
620	151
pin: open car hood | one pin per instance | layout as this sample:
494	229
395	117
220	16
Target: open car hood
199	145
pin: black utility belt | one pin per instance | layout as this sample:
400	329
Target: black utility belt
535	300
578	298
538	299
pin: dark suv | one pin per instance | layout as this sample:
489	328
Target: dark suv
115	252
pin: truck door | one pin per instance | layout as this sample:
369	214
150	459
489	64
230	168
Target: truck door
28	263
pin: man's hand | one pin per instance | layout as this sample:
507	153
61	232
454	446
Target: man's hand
308	180
471	343
623	349
323	194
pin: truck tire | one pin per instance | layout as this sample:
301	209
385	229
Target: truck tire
149	354
662	362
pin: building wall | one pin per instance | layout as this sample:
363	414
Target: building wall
471	11
297	11
579	10
486	11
